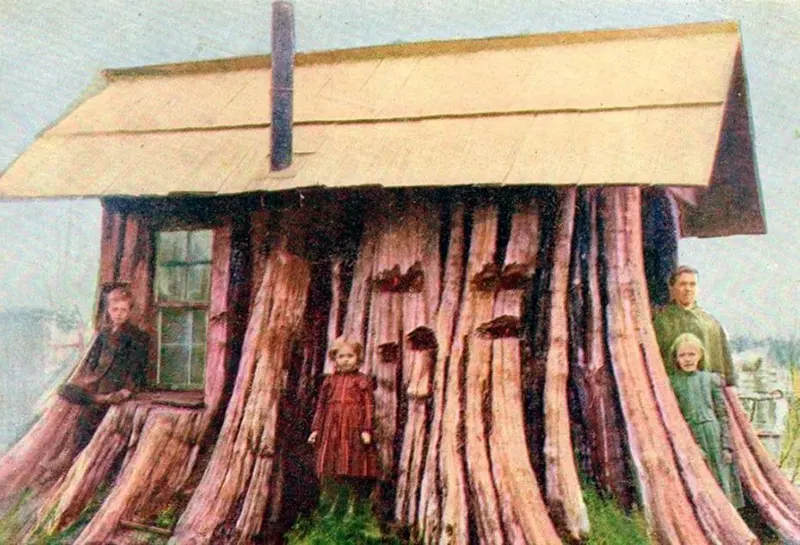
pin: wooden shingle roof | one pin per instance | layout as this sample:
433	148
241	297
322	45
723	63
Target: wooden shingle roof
664	106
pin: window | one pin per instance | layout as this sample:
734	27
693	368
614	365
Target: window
183	287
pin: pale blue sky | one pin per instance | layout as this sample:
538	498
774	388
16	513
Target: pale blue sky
51	51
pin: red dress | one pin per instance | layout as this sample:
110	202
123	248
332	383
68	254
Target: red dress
344	410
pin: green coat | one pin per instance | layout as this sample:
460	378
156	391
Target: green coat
673	320
701	401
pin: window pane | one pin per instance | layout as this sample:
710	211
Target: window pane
198	283
198	368
199	246
171	283
199	327
174	369
171	246
175	326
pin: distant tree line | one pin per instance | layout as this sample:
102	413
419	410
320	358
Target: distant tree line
783	351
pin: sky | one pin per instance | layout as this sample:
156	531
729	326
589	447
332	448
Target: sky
52	52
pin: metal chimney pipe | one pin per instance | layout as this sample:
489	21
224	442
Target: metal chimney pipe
282	84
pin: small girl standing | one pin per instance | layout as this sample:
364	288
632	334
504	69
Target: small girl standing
701	401
342	426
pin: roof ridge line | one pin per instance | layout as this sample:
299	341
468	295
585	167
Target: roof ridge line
425	48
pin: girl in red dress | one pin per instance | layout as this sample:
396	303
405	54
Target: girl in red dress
342	426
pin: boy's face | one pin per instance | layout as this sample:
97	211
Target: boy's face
119	312
346	360
688	357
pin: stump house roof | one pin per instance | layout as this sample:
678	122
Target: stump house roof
654	106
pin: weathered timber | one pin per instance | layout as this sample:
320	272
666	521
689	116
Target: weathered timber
160	457
234	486
477	309
604	442
778	482
412	454
89	469
356	318
421	236
323	323
259	233
719	519
219	331
780	515
656	472
384	353
564	497
134	266
111	227
335	322
524	516
443	502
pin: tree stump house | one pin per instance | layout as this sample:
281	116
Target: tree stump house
492	218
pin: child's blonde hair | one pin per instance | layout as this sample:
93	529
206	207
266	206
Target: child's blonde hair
690	339
343	341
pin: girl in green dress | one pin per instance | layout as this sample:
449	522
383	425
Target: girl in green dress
701	400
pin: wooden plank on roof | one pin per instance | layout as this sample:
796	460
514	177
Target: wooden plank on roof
662	146
628	73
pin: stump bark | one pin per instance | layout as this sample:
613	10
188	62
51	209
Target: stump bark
475	433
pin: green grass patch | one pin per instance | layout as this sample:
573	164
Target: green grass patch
13	521
610	525
68	535
341	518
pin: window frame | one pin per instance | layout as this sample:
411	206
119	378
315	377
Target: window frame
159	305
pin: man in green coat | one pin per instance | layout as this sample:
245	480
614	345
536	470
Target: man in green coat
683	315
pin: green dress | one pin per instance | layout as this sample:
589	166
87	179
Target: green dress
673	320
701	401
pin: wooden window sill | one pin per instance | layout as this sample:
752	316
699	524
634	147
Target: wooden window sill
191	400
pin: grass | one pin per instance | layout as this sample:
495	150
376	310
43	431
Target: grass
13	521
610	525
341	518
68	535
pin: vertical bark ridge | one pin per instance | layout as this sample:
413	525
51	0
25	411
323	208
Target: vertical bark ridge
165	451
454	527
477	309
421	280
599	408
246	441
356	319
778	482
673	521
432	491
719	519
524	516
564	497
783	517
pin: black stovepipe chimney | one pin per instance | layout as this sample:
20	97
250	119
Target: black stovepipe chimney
282	84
